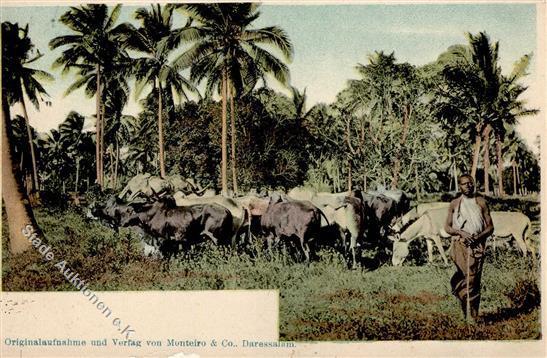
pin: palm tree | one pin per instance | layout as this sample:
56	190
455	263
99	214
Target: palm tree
508	109
472	77
18	210
56	159
385	92
229	54
141	154
155	39
23	79
485	61
73	142
94	49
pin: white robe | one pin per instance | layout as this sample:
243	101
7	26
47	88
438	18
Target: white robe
468	216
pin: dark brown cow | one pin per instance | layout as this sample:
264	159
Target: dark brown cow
173	224
291	220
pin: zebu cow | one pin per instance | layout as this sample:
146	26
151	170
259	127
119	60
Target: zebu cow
319	199
166	219
238	212
399	203
115	212
350	219
291	220
149	186
431	226
171	226
345	210
413	214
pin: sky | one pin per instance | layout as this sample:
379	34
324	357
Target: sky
329	41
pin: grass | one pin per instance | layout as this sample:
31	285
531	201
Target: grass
320	301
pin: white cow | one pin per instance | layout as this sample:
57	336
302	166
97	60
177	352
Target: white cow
415	213
431	227
149	185
319	199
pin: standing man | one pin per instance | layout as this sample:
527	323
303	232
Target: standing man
470	224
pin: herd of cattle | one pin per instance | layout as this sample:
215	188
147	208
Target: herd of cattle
305	218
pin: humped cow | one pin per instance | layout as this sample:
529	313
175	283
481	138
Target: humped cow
431	226
350	219
345	210
173	225
149	186
414	213
291	220
237	211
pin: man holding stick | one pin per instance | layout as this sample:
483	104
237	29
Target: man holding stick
470	224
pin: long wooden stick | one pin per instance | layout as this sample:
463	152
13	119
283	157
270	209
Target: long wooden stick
468	305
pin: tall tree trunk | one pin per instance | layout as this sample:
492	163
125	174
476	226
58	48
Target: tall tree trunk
486	157
111	176
514	167
455	176
101	147
116	165
500	163
407	112
349	175
350	152
98	128
160	131
519	182
476	152
18	210
31	146
233	138
223	170
77	175
417	183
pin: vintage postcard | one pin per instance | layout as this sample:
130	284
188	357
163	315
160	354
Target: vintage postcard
281	178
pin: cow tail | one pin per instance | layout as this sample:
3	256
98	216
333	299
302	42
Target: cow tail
249	217
526	238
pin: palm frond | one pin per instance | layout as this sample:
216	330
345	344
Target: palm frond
272	36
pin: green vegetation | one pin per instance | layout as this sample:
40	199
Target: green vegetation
322	301
398	125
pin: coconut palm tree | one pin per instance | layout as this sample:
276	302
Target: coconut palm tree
18	210
95	51
229	54
22	79
141	154
472	80
508	109
73	142
154	39
485	61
